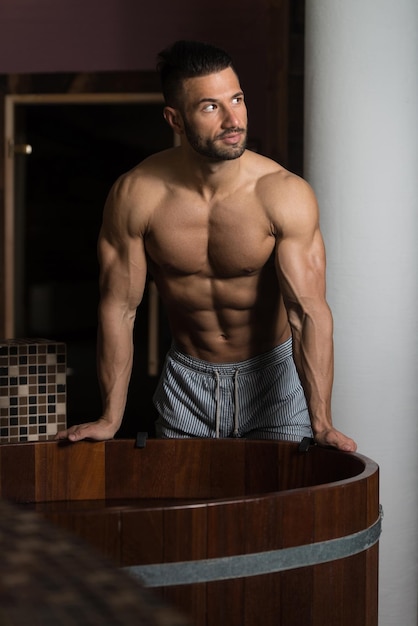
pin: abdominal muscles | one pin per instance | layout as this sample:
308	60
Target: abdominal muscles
224	319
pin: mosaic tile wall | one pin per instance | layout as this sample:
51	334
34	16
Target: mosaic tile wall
32	389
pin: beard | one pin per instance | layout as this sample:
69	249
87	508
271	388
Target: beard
211	149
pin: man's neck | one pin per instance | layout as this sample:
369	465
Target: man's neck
210	177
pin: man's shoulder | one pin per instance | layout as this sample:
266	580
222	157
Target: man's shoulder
274	181
143	187
283	194
153	170
135	194
271	174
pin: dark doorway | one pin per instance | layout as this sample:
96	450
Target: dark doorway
78	151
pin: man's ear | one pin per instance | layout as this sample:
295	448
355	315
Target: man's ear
174	119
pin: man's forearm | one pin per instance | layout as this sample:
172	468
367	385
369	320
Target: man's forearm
314	359
114	364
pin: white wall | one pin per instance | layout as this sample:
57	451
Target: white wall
361	147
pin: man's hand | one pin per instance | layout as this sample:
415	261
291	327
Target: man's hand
101	430
333	437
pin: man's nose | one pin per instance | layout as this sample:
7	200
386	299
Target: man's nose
231	119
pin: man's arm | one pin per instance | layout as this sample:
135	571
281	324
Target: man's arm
123	271
300	263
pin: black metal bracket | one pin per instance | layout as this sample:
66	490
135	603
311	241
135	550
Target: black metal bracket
306	443
141	439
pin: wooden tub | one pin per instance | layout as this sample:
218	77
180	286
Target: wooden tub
234	532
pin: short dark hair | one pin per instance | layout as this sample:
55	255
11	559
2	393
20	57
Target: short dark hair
188	59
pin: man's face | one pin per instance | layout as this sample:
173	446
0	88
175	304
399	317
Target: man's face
214	115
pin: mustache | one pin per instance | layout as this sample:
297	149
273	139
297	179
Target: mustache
230	131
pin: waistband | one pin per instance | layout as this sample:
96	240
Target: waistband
280	353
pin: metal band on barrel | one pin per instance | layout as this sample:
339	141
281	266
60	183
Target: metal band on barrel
244	565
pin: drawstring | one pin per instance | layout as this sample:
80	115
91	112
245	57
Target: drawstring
236	407
218	405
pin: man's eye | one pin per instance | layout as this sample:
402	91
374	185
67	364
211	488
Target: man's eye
237	100
209	107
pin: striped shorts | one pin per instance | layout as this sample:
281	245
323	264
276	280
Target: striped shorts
260	398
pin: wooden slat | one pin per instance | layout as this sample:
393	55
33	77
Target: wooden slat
371	582
18	476
192	469
296	597
142	536
263	532
297	529
185	538
373	496
129	471
327	591
226	537
69	471
296	468
354	586
371	557
227	469
261	467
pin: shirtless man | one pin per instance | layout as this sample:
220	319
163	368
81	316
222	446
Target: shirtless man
233	243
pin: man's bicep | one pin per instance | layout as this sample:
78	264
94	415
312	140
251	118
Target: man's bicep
300	257
121	250
123	269
300	264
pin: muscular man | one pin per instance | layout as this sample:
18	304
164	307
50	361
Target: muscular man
233	243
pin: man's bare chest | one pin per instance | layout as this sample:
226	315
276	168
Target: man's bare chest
222	241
